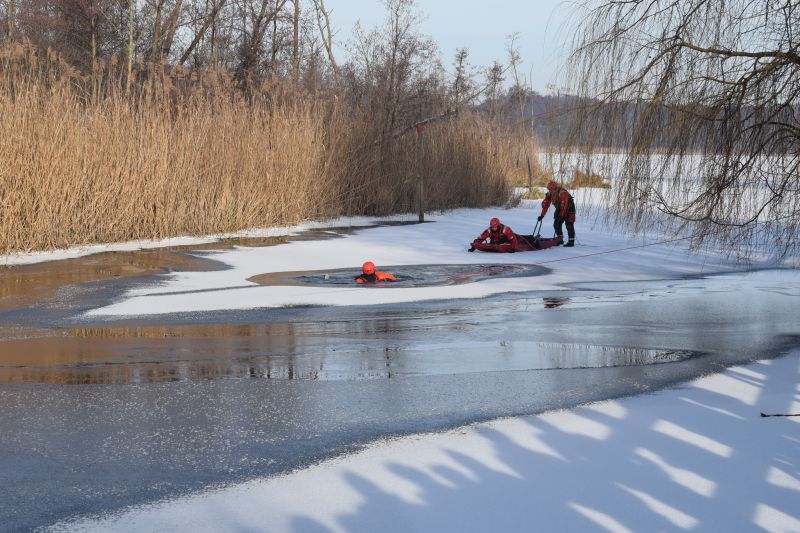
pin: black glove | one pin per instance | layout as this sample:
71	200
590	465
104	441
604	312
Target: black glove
471	249
540	217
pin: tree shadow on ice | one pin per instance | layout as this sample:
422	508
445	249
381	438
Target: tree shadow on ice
703	460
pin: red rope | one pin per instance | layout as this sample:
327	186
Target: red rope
611	251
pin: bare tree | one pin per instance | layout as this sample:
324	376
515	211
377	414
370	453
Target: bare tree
393	68
280	38
520	84
296	42
494	83
131	51
257	18
79	30
705	95
324	25
402	44
207	22
463	78
165	23
519	92
10	20
155	38
170	28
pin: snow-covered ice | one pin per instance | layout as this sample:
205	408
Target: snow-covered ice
599	256
697	457
694	457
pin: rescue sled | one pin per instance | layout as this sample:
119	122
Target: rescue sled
525	243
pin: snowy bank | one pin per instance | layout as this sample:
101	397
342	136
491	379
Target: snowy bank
695	457
599	256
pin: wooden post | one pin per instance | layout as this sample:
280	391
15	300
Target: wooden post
420	183
530	174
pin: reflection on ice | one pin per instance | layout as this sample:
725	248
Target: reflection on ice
295	351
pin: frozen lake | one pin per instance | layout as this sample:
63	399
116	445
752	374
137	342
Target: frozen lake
98	415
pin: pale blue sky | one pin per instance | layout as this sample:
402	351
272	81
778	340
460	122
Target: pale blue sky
482	27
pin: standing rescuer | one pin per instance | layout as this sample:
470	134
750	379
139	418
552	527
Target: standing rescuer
564	206
370	275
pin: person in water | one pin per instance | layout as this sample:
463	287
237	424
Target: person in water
370	275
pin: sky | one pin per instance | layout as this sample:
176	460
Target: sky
483	28
697	456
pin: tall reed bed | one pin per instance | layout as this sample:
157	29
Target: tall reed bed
83	162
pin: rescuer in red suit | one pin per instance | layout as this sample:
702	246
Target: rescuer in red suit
498	233
564	206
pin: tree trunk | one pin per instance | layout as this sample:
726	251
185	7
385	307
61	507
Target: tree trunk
274	47
93	23
10	20
171	28
131	21
155	48
392	93
212	45
327	37
210	19
296	42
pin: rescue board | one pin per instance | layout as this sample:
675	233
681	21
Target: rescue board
525	243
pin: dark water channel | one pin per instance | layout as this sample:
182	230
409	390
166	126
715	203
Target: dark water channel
97	416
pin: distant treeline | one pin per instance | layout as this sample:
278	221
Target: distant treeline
565	121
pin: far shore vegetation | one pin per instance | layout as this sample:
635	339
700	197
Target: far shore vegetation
143	120
86	163
121	122
127	121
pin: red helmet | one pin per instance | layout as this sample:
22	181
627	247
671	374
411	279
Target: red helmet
494	223
552	185
368	267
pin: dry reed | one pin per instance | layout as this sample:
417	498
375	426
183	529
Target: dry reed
588	179
81	162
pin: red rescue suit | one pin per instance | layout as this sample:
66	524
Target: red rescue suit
501	234
564	205
378	276
565	211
